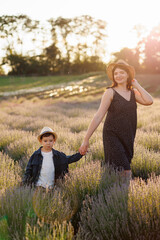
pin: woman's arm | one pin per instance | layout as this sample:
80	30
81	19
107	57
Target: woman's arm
141	95
97	119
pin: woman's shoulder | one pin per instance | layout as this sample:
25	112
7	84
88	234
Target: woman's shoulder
110	89
109	92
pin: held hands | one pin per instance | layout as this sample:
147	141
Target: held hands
84	147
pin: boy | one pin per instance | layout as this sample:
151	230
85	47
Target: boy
46	164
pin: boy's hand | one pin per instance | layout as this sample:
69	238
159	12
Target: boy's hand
84	147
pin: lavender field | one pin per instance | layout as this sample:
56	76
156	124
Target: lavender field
93	202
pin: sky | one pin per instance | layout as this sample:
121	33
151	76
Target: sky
121	15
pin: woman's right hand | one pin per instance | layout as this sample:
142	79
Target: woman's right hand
84	147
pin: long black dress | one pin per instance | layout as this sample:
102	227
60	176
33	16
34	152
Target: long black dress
119	131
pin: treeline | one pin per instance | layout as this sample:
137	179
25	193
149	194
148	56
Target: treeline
68	46
62	46
146	56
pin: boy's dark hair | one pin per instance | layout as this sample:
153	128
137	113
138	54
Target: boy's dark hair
47	135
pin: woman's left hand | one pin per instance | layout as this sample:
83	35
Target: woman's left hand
84	147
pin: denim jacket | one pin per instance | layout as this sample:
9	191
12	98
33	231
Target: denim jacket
60	160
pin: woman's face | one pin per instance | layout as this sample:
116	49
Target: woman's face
120	76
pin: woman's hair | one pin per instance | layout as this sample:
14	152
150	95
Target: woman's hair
129	80
47	135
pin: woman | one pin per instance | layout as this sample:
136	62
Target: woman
120	125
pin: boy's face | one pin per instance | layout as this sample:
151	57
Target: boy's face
47	143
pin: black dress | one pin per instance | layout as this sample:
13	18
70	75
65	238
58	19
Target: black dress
119	131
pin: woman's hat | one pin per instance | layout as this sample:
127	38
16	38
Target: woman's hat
120	63
47	130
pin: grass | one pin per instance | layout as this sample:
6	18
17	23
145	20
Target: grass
81	85
11	83
93	201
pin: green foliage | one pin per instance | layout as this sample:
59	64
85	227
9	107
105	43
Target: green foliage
57	231
24	82
4	228
53	59
15	204
25	65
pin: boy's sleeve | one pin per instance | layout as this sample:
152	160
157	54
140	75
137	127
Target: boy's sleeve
28	172
74	158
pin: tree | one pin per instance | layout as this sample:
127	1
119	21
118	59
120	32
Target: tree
152	51
53	58
74	42
79	39
1	71
25	65
129	55
14	30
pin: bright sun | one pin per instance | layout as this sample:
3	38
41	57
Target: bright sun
122	16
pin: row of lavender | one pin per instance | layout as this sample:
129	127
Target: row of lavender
93	202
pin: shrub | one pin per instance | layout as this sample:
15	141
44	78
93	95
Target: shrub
106	217
8	136
18	121
4	117
9	174
57	206
125	212
145	162
4	235
73	141
19	148
96	151
153	127
36	124
78	125
144	207
149	140
83	180
15	204
63	231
